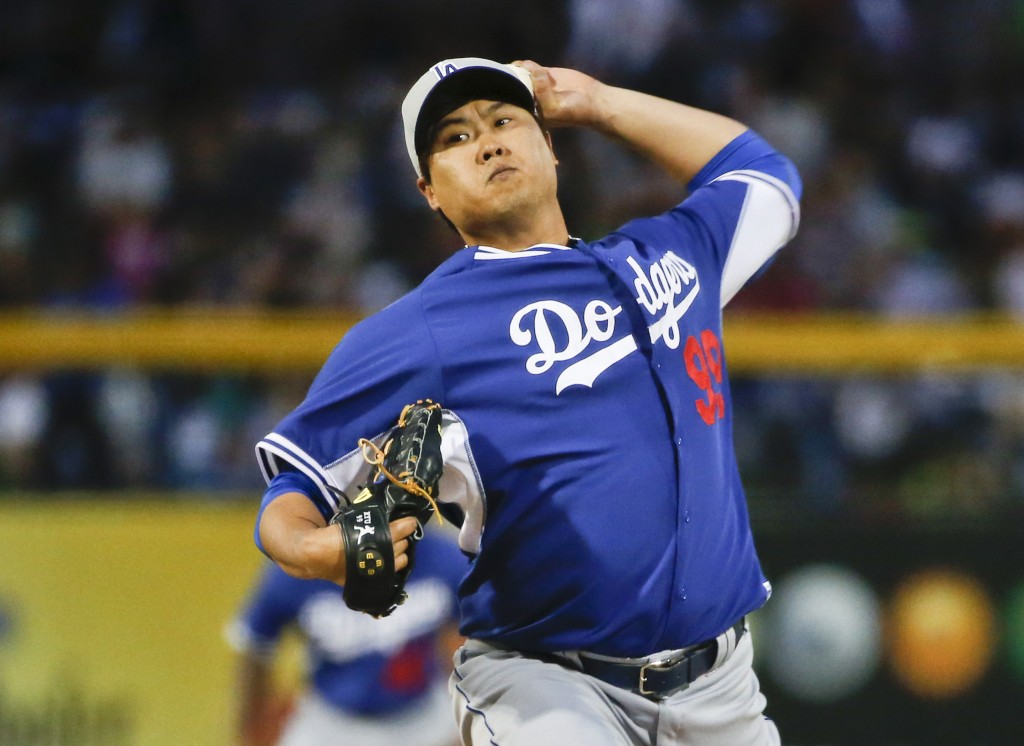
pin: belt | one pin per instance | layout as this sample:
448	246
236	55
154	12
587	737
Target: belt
662	677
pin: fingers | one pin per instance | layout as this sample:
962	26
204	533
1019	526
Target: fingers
400	531
402	528
538	73
528	64
543	88
401	558
565	97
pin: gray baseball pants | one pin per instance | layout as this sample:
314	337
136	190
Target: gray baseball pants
503	698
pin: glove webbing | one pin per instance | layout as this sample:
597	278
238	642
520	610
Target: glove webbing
404	480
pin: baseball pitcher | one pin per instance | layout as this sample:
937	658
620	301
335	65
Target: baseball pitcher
580	405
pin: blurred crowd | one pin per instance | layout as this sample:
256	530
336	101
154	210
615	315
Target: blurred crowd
248	153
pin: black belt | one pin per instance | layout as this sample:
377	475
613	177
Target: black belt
657	679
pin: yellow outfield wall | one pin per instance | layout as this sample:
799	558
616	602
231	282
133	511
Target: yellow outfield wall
112	617
215	341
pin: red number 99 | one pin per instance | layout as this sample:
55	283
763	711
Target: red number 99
704	366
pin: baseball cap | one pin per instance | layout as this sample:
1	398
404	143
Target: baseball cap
451	83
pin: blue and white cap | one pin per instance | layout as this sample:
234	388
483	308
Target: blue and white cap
451	83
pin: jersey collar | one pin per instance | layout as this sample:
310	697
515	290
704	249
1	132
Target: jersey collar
541	249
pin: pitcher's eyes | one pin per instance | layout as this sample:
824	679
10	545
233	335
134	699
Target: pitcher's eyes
450	135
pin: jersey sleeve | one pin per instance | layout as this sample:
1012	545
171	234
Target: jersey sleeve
744	206
382	364
769	214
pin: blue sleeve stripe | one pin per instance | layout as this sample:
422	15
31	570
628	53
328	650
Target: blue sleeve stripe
275	446
267	464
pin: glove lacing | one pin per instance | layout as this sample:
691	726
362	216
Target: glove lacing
373	455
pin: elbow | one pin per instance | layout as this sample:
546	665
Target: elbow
289	549
300	571
300	547
298	560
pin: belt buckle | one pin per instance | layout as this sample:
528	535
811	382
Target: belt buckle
658	664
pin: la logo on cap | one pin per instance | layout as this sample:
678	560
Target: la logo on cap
449	68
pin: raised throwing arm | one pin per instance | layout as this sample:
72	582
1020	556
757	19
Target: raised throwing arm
679	138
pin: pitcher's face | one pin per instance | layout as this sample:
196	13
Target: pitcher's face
489	159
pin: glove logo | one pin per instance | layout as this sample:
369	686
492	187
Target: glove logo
370	563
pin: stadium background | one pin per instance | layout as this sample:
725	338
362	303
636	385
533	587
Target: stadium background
197	199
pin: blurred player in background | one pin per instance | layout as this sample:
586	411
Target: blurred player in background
370	682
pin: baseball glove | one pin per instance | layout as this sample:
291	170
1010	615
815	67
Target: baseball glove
403	482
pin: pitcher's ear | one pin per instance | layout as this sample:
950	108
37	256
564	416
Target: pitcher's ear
427	191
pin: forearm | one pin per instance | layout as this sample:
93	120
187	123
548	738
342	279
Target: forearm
295	536
680	139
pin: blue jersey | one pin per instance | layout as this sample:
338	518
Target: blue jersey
357	663
589	438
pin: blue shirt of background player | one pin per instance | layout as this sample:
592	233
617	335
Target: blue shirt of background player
361	665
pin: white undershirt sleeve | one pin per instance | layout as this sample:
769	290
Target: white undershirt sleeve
768	219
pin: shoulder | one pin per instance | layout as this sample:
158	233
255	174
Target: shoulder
407	308
374	337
